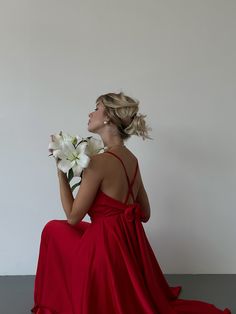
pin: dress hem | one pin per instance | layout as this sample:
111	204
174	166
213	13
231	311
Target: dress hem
42	310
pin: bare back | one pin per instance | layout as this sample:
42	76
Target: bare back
115	183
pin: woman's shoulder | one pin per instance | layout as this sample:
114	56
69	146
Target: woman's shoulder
96	158
99	160
125	155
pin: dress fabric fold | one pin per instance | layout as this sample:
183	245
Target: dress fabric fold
105	266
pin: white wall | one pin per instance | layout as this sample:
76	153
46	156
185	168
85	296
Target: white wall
178	59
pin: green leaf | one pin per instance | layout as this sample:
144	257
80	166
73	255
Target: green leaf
75	186
70	174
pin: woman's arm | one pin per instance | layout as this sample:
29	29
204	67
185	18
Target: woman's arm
142	199
76	208
67	198
92	178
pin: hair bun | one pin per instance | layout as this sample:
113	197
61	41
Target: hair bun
138	126
122	111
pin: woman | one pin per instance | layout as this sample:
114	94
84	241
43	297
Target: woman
106	266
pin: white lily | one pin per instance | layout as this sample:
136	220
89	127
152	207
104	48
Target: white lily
58	142
72	157
68	138
94	146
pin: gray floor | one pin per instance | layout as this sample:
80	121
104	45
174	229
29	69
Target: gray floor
16	292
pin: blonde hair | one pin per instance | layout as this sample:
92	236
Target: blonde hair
122	110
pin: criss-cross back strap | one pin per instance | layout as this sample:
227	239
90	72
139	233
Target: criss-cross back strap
131	185
132	182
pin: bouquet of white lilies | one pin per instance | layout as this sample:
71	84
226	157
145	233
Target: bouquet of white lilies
73	153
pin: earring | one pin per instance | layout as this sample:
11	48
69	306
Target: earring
105	122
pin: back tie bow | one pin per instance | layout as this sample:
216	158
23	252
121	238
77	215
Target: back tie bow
132	212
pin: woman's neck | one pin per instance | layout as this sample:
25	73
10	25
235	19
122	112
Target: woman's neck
113	141
112	146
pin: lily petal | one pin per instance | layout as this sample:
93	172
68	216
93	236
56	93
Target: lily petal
81	147
77	169
94	146
68	148
58	153
53	145
66	137
73	163
57	138
84	160
64	165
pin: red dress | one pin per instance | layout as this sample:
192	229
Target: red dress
105	266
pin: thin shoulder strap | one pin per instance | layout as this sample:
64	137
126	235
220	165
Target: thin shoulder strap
129	185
